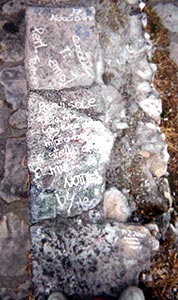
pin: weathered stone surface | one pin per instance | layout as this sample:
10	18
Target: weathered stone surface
4	126
174	230
74	63
1	164
19	119
9	53
15	86
13	185
132	2
144	70
68	168
158	166
7	294
3	115
14	245
152	106
116	205
24	290
89	259
127	170
150	139
168	14
12	32
13	7
174	50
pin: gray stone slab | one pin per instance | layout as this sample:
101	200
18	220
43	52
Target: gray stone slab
168	14
99	259
19	119
15	85
61	47
14	245
13	185
67	156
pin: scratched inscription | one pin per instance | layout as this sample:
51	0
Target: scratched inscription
67	156
61	47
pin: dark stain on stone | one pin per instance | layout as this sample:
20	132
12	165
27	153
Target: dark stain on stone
10	27
107	77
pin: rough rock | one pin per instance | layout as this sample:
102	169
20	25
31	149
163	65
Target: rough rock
132	2
116	205
75	62
13	7
18	119
15	85
24	290
89	259
7	294
1	164
158	166
152	106
174	50
4	126
150	139
14	245
168	14
9	53
13	186
144	70
174	230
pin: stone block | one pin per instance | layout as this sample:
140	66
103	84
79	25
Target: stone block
168	14
14	245
67	155
4	126
95	259
116	205
15	85
19	119
13	7
61	47
13	185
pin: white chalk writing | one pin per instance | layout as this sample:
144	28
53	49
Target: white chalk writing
82	104
32	64
133	233
84	58
53	64
37	40
77	15
34	61
68	151
58	169
69	199
63	81
132	243
67	53
82	179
